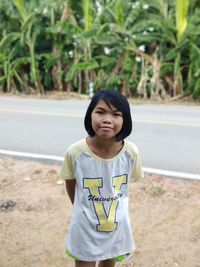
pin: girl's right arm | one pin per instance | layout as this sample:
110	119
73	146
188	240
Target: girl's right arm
70	187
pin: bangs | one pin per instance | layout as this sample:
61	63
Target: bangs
112	102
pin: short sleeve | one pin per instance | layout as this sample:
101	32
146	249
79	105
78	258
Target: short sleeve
67	172
137	168
137	172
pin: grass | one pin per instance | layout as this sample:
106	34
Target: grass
158	191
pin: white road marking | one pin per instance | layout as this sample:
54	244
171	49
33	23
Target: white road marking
30	155
179	123
180	175
41	113
62	114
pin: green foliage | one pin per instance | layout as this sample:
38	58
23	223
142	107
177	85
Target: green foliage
21	8
64	45
89	65
181	16
158	191
87	11
8	39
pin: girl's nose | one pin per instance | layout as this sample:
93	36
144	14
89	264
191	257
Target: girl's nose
107	119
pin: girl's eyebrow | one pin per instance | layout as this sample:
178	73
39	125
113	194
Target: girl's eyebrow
99	108
113	110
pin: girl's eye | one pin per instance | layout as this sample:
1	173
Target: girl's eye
118	114
99	112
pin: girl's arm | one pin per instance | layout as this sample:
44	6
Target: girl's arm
70	187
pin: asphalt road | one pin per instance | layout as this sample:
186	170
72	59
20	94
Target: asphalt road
168	136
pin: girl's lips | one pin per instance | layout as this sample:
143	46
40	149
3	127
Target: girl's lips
106	128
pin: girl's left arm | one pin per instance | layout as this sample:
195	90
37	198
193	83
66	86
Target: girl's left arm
70	188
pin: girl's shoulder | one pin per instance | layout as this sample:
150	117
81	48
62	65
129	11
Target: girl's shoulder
131	148
76	147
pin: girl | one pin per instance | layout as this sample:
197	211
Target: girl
97	171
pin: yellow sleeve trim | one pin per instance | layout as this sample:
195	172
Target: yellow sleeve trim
73	151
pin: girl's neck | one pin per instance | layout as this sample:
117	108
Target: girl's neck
104	148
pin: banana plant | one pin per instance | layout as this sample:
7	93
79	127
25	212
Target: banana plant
10	63
61	33
115	43
193	34
82	70
122	26
164	40
109	40
181	24
29	35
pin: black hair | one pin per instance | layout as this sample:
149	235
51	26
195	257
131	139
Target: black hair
117	100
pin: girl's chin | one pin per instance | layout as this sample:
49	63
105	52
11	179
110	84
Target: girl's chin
106	136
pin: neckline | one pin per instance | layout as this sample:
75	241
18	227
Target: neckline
103	159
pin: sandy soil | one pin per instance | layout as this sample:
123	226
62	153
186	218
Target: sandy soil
165	213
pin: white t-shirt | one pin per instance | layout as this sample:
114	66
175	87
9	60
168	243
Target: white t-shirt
100	227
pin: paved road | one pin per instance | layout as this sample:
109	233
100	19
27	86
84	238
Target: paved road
167	136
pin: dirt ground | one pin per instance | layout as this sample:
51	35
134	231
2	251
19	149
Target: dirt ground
35	214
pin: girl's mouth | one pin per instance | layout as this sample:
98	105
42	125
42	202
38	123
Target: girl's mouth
106	128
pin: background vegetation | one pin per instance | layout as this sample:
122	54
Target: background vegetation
142	48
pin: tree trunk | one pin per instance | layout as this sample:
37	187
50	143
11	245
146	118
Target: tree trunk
170	84
155	80
118	65
124	86
141	89
1	87
57	68
69	87
13	87
177	88
79	82
56	74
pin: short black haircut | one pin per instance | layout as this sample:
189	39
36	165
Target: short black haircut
117	100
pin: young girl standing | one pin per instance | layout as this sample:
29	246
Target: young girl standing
98	171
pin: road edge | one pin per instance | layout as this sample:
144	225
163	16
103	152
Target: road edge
32	156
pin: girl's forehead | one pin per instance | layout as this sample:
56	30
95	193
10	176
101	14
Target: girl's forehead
105	104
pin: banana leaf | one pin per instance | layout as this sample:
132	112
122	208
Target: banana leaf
16	64
171	54
2	57
181	16
15	74
11	37
119	13
87	34
70	74
106	61
28	22
2	79
90	65
166	69
21	8
87	11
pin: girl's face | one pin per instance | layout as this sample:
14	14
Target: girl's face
107	121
